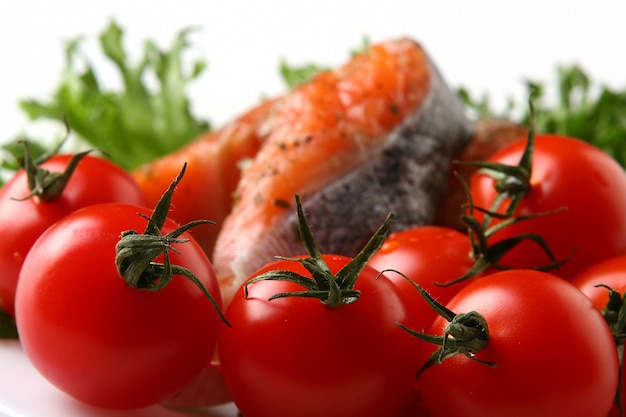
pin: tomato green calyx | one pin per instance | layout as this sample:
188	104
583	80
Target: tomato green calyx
332	290
488	255
512	182
44	184
136	252
8	329
465	333
615	315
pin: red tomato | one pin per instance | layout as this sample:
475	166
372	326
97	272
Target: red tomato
427	255
566	173
612	273
295	356
416	408
554	355
96	337
94	181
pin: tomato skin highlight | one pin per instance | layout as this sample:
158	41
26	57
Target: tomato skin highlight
296	356
94	181
566	172
554	353
427	255
97	338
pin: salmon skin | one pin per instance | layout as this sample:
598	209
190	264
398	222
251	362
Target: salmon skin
373	136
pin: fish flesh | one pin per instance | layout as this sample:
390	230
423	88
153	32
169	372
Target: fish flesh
374	136
212	172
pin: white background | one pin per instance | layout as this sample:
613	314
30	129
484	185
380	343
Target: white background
485	45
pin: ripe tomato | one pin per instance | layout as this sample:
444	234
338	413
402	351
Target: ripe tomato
428	255
554	355
95	180
99	339
612	273
295	356
566	173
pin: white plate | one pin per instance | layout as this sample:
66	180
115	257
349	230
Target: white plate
25	393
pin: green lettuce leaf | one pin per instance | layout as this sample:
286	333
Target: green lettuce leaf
138	123
584	110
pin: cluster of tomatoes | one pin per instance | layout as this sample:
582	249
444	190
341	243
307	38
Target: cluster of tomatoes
448	324
118	306
90	279
547	244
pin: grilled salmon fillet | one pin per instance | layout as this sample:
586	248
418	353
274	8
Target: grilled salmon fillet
373	136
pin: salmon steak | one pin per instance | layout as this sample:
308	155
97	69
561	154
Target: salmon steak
374	136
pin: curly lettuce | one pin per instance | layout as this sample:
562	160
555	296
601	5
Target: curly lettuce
137	123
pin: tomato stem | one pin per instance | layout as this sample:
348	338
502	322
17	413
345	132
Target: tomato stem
465	333
488	255
8	328
512	184
614	314
136	252
44	184
332	290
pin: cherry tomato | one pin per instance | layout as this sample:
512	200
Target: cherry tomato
295	356
612	273
95	180
548	352
99	339
428	255
568	174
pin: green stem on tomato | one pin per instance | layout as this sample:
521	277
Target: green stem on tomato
8	328
136	252
44	184
465	334
332	290
488	255
512	184
614	314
